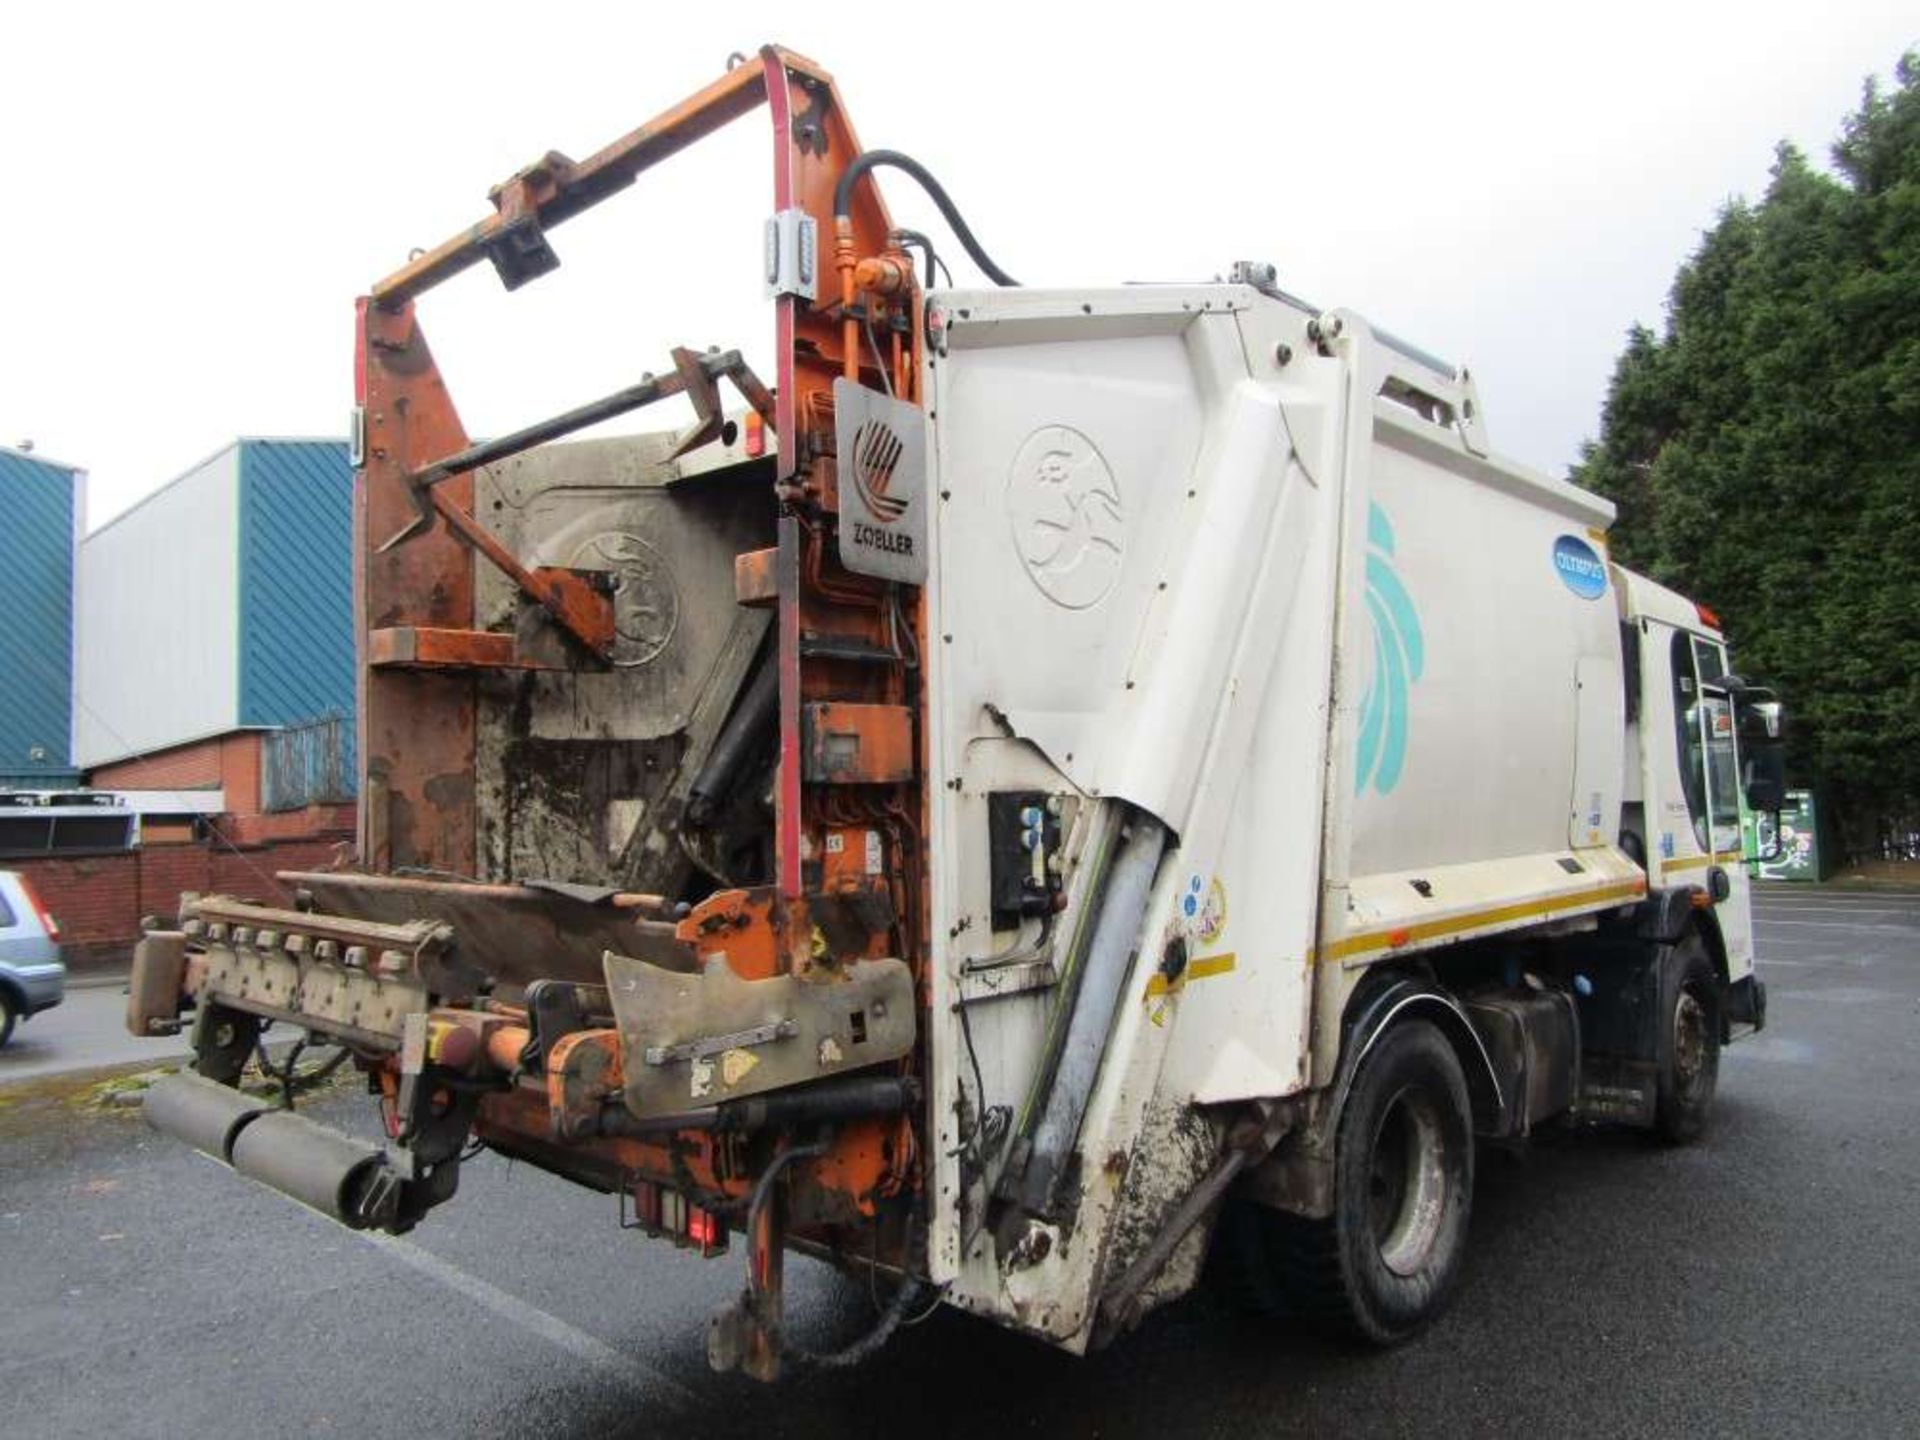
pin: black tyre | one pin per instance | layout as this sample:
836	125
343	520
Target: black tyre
1689	1042
1384	1264
8	1017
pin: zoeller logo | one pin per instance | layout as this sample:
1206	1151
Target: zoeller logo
1399	655
876	452
881	447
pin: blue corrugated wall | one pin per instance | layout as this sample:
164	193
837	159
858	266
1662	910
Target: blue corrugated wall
296	582
36	620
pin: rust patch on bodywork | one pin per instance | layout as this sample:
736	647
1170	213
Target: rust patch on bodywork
849	744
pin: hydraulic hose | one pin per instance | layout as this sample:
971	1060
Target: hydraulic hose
873	159
753	719
1116	940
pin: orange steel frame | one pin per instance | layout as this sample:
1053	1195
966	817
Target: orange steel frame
417	714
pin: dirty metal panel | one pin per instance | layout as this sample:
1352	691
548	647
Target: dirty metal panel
583	775
296	982
857	744
265	977
153	990
420	648
416	728
693	1040
511	933
881	447
341	996
756	578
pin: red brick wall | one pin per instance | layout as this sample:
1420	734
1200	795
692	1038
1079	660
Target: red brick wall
227	762
335	820
90	896
185	767
100	899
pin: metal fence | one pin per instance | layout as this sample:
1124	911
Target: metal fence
309	764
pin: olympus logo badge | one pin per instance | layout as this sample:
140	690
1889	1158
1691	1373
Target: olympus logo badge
1068	525
1579	567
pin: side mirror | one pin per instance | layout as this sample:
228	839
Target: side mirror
1762	722
1765	781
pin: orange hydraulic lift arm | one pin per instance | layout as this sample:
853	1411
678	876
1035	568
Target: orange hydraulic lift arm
416	598
555	188
421	591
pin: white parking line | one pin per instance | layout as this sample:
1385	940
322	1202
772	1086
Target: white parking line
1805	893
1844	910
1828	924
529	1317
509	1307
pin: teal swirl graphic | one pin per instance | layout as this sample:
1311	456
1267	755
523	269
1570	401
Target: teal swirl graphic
1399	655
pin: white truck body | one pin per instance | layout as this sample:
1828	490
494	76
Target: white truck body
1253	571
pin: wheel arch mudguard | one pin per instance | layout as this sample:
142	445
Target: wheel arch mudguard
1666	915
1298	1176
1371	1014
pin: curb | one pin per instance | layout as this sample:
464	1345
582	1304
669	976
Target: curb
96	980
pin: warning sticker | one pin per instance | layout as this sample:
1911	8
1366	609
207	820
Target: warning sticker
1203	908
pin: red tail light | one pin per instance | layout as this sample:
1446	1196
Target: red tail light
1707	617
706	1230
47	922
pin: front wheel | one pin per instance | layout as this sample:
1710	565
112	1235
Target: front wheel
1384	1264
1689	1043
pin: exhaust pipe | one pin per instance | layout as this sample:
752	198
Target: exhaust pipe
343	1178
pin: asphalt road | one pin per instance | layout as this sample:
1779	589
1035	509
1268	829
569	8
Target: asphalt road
86	1031
1764	1282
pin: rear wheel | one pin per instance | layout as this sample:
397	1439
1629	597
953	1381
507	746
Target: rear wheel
8	1016
1384	1264
1689	1043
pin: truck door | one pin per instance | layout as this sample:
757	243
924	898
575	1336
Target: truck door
1709	757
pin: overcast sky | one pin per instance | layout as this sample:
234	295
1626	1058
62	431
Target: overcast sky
197	193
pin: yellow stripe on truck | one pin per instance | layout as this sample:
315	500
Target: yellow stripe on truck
1700	862
1201	969
1399	936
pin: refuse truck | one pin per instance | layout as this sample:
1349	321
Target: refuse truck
1044	790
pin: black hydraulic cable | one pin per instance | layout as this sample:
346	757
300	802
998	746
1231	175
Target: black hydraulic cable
873	159
890	1320
868	1344
909	239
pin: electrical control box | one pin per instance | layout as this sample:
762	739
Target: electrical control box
1023	837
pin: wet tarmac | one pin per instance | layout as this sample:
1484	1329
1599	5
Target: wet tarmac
1763	1282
